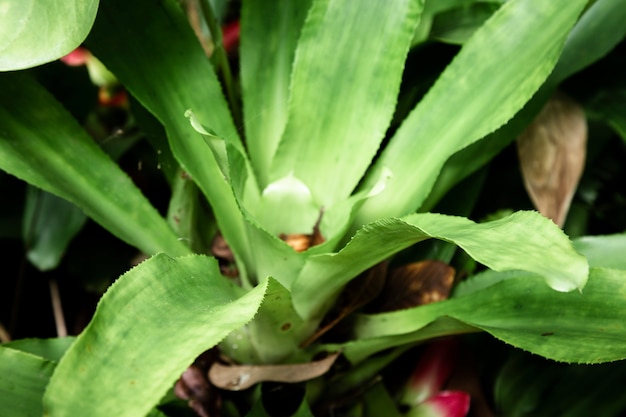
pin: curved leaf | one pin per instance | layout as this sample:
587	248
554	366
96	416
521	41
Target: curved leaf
344	85
495	73
587	327
148	327
505	244
181	78
42	144
35	32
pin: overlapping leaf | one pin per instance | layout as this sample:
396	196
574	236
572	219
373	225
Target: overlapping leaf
581	327
496	72
498	244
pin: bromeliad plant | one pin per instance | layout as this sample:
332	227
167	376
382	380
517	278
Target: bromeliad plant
313	175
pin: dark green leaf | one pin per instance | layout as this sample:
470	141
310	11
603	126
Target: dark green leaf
50	223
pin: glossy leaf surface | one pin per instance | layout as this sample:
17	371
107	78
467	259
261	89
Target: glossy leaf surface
35	32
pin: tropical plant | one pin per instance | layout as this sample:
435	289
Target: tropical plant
311	176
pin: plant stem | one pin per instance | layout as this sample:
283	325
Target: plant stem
220	60
57	308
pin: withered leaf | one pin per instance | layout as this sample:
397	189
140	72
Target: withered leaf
552	153
239	377
221	249
415	284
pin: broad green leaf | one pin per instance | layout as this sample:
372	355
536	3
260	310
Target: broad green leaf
496	72
603	251
49	225
50	349
504	244
269	31
581	327
23	379
164	67
595	34
148	327
345	80
43	145
35	32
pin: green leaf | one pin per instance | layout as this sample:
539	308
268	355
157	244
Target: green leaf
581	327
148	327
50	223
603	251
504	244
493	76
50	349
183	79
597	32
23	379
35	32
269	31
345	80
43	145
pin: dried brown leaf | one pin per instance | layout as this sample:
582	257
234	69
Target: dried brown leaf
552	154
239	377
415	284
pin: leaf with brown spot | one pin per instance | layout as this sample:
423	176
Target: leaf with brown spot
240	377
552	154
415	284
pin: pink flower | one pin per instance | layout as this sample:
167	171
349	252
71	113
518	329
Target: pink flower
77	57
422	393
